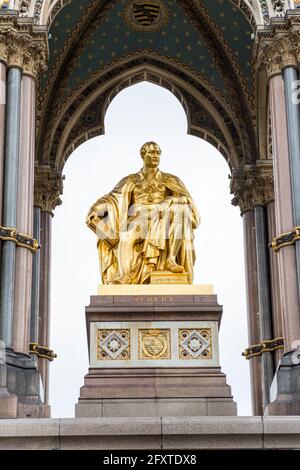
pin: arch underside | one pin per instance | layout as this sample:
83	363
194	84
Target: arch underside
256	11
191	56
84	118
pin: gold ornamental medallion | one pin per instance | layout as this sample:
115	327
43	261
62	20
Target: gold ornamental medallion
154	344
143	15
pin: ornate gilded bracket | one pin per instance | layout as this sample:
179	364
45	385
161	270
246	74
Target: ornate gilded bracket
286	239
263	347
20	239
42	351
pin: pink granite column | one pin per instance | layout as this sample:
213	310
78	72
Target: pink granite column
44	303
274	280
284	214
23	273
2	129
253	309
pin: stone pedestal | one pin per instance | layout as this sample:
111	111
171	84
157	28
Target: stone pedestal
154	355
21	391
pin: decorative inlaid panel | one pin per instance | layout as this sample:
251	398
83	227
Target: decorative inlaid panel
113	344
195	343
154	344
163	344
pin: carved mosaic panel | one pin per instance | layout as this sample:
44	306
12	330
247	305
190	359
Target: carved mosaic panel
195	343
113	344
154	344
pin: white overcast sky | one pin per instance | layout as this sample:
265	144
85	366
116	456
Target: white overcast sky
138	114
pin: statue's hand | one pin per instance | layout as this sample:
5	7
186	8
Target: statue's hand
91	221
101	210
97	212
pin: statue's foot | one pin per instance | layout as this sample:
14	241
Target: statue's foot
172	266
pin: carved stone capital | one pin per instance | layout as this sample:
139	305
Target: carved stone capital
48	186
23	45
241	186
275	55
295	38
277	46
252	185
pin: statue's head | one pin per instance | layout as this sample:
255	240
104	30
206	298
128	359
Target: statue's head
150	153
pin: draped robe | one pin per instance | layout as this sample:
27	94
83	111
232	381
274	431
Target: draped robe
148	249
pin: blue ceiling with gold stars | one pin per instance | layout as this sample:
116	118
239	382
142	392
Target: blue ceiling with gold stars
236	31
178	39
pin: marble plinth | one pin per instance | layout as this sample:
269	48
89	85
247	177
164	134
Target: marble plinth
154	289
154	355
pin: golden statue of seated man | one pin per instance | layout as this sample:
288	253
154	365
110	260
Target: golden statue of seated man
145	224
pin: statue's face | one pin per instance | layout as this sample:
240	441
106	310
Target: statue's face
152	155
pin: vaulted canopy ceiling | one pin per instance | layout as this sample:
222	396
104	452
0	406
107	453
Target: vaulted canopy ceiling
208	39
110	37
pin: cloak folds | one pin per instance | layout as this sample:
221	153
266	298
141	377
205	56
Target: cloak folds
114	221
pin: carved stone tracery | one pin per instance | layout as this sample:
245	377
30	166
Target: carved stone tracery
56	144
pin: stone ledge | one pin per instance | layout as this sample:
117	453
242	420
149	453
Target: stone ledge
152	433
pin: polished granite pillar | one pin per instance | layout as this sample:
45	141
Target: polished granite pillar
35	292
284	214
293	126
252	308
264	297
2	131
285	388
44	296
24	257
10	189
274	280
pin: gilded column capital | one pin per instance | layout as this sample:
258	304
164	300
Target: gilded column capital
252	185
48	186
23	45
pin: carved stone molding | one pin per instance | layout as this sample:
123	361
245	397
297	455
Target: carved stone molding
48	186
24	7
279	8
23	45
252	185
37	11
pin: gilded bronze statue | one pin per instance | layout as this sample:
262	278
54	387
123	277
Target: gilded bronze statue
145	225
